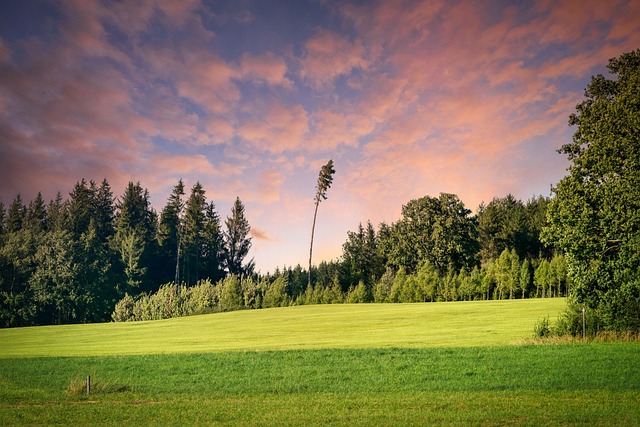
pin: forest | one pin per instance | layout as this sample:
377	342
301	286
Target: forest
93	257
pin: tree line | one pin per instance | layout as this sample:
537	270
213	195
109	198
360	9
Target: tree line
71	260
503	278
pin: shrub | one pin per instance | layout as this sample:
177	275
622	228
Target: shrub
360	294
123	311
276	294
541	328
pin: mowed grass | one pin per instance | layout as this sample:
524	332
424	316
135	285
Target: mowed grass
454	324
577	384
380	365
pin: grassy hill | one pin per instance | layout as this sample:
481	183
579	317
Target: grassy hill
342	365
454	324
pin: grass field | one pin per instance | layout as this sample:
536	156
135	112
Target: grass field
455	324
462	370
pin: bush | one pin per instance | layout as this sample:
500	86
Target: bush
570	321
276	294
541	328
360	294
123	311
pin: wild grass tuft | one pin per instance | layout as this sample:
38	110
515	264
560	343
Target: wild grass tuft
78	386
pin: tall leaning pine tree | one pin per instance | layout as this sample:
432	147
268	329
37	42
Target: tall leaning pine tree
325	178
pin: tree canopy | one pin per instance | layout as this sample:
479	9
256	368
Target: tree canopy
595	214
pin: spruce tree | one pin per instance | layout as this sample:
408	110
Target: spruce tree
169	234
192	237
135	237
237	242
213	245
15	217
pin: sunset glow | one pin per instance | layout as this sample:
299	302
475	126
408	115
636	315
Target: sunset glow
251	98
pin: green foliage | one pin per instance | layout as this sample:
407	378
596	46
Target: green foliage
577	320
237	242
276	294
135	238
595	215
72	260
231	293
325	178
360	294
169	235
124	309
541	328
382	289
438	230
361	257
173	300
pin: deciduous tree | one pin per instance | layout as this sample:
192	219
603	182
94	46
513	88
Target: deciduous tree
595	215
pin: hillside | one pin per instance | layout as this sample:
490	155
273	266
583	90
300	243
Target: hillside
453	324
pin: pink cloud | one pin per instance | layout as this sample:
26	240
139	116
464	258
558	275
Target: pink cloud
206	79
330	128
412	98
572	21
259	234
328	55
265	67
5	52
182	165
275	127
625	24
269	186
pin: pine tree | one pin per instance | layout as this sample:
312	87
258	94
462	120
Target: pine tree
135	237
103	212
81	206
237	242
169	234
213	245
15	217
192	238
58	214
36	215
325	178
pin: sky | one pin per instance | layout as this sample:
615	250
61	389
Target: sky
252	97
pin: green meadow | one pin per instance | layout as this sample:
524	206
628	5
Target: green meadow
453	324
390	364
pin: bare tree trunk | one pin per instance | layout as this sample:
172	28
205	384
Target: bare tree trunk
313	227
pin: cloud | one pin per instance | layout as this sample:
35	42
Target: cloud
5	53
329	55
182	165
408	97
266	67
275	127
259	234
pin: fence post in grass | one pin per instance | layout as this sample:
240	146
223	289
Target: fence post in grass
88	384
583	323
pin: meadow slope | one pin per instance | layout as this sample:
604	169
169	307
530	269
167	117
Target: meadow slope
342	365
451	324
